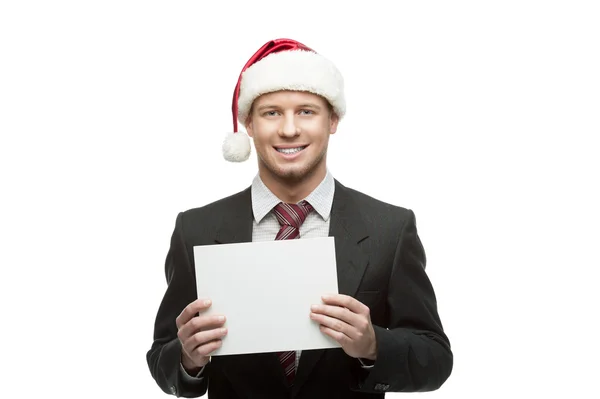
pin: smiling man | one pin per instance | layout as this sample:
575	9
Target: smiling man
290	100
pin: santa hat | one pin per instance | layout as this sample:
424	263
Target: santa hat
281	64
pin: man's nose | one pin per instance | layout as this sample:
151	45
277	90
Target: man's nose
289	127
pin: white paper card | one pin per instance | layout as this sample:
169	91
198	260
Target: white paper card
265	290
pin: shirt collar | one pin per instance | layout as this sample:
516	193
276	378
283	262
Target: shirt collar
321	199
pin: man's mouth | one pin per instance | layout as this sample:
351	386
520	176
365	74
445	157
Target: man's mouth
290	150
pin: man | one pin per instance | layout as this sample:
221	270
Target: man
291	99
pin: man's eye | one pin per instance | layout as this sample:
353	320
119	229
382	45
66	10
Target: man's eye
306	111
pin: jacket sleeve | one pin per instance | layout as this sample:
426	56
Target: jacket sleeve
413	352
164	356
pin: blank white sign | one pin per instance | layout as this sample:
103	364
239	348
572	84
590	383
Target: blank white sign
265	289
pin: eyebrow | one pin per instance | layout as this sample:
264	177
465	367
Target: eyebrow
305	105
310	105
266	106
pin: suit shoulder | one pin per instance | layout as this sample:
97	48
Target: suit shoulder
381	218
214	208
372	204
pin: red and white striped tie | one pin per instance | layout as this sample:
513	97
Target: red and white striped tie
290	217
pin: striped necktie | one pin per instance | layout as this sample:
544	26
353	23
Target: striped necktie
290	217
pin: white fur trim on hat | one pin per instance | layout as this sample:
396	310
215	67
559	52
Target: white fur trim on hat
292	70
236	147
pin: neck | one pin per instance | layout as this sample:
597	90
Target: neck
292	191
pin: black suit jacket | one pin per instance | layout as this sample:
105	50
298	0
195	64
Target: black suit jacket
380	261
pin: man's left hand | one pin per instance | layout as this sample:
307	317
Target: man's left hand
348	321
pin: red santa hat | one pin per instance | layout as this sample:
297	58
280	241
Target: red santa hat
281	64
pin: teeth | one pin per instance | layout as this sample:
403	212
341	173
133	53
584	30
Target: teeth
290	150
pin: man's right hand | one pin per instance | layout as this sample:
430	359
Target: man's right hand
199	335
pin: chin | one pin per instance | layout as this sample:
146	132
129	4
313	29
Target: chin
289	173
292	174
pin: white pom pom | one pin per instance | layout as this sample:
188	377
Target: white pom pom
236	147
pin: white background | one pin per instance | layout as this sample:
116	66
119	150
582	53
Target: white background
481	116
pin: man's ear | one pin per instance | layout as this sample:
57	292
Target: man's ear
249	127
333	123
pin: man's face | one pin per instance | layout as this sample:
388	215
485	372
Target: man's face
291	132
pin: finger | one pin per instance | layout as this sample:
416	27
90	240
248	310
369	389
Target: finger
203	338
341	338
346	301
336	325
190	311
198	324
341	313
206	349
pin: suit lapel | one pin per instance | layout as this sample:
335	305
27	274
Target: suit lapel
235	225
349	231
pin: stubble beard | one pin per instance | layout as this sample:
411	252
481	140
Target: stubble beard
294	175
